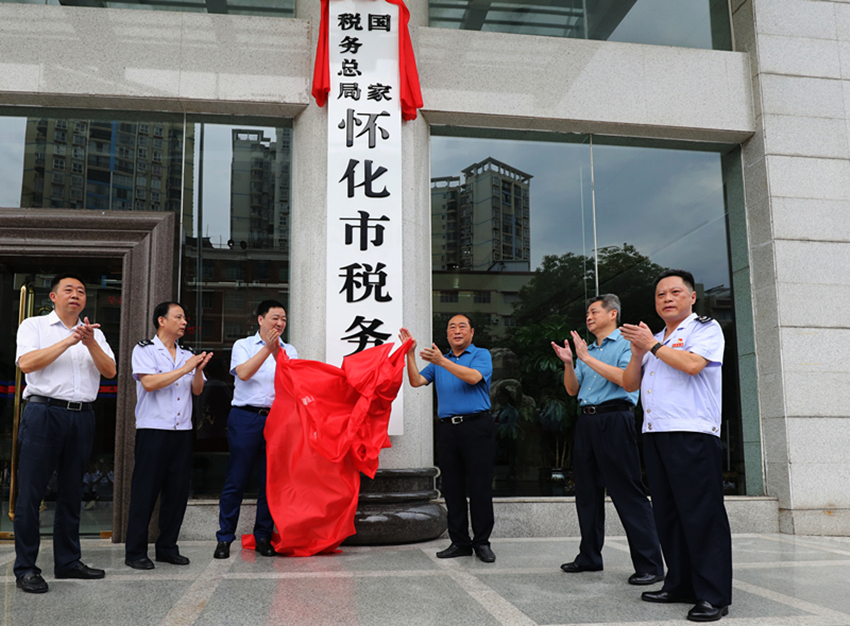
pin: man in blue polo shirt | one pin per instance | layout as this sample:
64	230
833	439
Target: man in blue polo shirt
466	435
605	453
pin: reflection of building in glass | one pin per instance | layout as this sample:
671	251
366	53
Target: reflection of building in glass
489	293
717	303
232	283
444	247
94	164
226	282
259	189
481	222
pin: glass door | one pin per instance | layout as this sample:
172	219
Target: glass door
102	278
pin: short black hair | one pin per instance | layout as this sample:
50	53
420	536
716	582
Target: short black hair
468	319
60	277
686	277
265	305
162	309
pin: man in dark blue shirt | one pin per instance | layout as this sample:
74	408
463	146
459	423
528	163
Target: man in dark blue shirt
606	452
466	435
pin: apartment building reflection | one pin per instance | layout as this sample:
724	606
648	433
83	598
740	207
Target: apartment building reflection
481	241
105	164
227	278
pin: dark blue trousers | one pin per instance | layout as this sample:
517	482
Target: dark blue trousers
51	439
247	449
467	455
163	469
606	455
685	474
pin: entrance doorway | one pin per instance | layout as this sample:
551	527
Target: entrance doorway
103	280
127	256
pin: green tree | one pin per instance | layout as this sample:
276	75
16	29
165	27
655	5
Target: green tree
551	305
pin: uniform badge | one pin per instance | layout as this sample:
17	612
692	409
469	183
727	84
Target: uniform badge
145	342
704	319
679	343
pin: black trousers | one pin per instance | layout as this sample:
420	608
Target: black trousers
467	455
51	439
163	469
606	455
685	475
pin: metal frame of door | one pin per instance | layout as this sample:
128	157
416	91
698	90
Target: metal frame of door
146	245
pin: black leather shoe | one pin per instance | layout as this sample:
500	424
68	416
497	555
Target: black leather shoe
645	579
664	597
485	553
707	612
222	550
575	568
453	551
32	583
264	547
81	571
174	559
142	563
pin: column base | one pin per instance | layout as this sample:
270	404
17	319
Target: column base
397	507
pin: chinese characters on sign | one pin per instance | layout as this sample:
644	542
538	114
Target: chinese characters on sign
364	286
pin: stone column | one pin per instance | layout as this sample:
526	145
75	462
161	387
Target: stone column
797	182
400	494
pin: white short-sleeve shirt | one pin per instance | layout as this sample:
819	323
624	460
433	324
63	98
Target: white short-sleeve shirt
73	376
675	401
259	389
169	408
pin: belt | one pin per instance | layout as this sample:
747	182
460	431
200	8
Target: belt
262	410
607	407
460	419
65	404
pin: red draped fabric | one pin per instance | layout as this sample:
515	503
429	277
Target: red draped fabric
411	95
326	425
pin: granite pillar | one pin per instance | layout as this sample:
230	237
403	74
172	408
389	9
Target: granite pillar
414	449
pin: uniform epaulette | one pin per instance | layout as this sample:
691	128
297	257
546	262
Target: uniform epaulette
704	319
145	342
188	349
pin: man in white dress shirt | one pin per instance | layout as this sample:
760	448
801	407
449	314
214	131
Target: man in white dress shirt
167	375
679	373
253	365
63	359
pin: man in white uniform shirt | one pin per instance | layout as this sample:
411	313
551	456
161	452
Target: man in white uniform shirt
167	375
253	364
63	359
679	374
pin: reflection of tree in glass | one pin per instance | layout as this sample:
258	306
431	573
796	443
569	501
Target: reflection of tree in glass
535	417
554	303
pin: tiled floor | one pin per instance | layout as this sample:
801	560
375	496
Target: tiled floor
780	580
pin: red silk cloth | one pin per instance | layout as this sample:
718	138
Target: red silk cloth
326	425
411	95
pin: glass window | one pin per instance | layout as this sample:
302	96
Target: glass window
263	8
239	241
223	273
653	207
685	23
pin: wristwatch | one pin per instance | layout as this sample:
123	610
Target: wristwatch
654	348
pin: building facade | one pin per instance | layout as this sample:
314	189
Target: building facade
563	150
